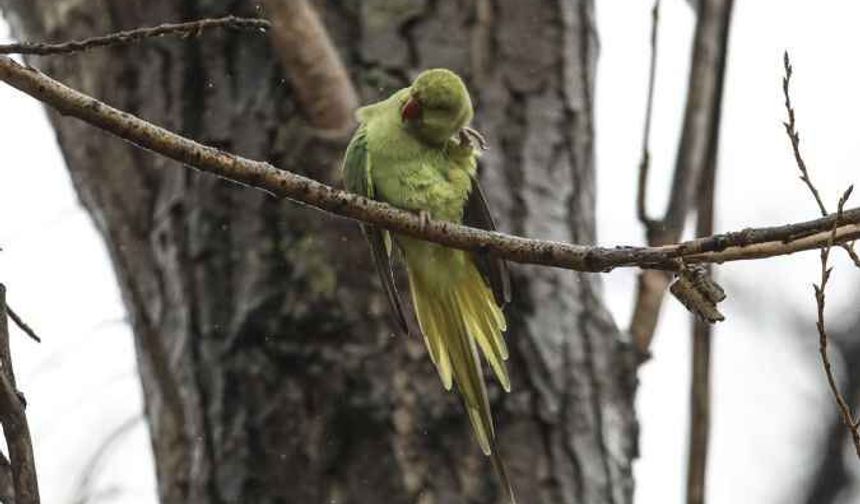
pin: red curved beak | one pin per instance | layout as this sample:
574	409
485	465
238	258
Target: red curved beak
410	111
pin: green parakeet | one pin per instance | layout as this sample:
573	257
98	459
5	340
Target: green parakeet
415	151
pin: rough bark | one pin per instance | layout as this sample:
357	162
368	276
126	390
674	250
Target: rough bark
269	368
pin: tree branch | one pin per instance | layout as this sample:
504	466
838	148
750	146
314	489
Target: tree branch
192	28
741	245
15	428
701	124
313	65
700	375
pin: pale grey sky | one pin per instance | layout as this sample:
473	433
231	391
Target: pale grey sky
770	394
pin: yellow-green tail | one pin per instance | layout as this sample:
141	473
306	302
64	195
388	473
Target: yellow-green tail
457	318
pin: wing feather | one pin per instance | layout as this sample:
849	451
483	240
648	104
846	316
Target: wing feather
358	179
494	270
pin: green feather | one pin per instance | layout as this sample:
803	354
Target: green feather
419	162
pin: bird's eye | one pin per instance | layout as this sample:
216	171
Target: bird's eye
411	111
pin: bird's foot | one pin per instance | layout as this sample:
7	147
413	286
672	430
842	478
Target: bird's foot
473	138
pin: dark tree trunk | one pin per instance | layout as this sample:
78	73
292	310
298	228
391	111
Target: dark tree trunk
269	368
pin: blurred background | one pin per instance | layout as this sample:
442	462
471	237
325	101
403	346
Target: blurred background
772	412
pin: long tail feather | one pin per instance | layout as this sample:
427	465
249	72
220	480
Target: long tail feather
456	319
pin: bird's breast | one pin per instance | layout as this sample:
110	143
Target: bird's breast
424	183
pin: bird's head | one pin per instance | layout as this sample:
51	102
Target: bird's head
437	106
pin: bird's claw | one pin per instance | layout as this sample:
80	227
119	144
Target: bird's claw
473	138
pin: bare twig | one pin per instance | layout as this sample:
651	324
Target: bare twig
192	28
22	325
645	161
741	245
15	428
701	121
847	417
322	84
794	137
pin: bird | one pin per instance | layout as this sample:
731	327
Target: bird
416	151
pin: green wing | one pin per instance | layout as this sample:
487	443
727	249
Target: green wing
494	270
357	179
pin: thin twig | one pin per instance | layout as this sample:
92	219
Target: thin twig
192	28
844	409
794	137
14	420
741	245
22	325
645	161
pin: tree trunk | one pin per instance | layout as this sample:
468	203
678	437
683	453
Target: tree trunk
269	366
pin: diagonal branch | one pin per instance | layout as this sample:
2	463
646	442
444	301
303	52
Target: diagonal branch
741	245
313	65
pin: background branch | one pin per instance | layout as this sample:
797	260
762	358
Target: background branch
645	161
15	428
322	84
700	375
700	129
192	28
